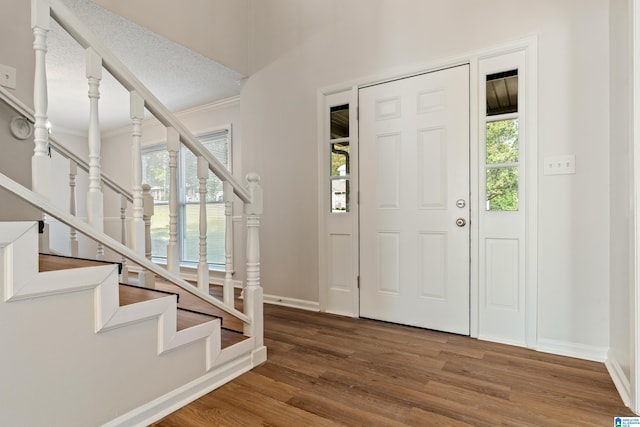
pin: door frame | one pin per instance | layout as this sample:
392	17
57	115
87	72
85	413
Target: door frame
350	88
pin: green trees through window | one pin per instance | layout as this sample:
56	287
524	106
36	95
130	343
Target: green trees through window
155	167
502	150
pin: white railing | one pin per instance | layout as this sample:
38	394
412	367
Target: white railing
42	203
98	57
75	163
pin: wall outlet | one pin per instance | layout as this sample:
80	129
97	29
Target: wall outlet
7	76
560	165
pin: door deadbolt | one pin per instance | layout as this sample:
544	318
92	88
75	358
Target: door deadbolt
460	222
461	203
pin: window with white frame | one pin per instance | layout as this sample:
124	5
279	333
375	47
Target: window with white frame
340	176
155	170
502	142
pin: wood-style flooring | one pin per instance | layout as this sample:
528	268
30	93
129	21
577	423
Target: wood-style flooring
325	370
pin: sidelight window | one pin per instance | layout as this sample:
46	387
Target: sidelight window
502	144
339	159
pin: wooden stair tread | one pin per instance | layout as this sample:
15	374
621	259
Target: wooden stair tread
56	262
190	302
130	294
191	310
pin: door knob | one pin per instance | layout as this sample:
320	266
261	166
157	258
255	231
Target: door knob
460	222
461	203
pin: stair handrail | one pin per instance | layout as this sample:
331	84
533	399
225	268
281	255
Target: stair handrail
21	108
85	37
45	205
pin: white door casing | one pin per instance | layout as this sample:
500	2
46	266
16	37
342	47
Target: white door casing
485	321
414	188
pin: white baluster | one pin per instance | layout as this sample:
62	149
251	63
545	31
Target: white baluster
124	274
253	292
228	292
147	279
137	221
41	162
73	210
173	250
95	213
137	224
203	267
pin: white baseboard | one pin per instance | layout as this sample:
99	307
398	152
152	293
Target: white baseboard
620	380
172	401
569	349
215	278
292	302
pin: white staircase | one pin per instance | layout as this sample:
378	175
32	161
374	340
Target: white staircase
72	357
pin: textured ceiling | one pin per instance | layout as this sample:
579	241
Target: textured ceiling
179	77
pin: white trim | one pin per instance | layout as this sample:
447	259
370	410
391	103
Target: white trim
635	134
323	284
292	302
474	208
570	349
176	399
531	207
619	379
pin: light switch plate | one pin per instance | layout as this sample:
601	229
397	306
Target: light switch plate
7	76
560	165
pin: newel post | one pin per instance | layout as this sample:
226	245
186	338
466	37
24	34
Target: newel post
252	291
41	162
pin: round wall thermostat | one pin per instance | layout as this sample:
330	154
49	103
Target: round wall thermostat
21	128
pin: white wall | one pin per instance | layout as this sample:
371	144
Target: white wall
297	47
216	29
16	52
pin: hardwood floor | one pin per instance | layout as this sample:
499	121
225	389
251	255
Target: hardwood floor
326	370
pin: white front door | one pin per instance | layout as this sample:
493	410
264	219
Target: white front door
414	201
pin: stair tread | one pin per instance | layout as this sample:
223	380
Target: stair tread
131	294
49	262
191	310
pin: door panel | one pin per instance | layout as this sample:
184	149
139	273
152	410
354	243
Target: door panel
414	166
